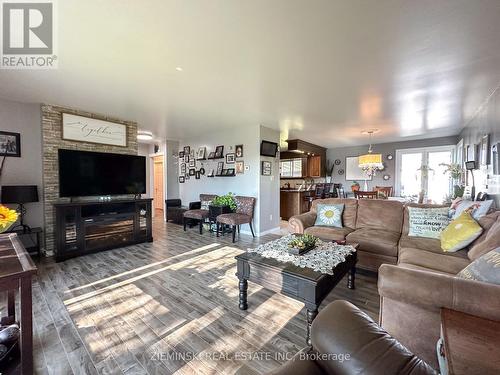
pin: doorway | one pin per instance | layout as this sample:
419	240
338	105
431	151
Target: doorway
158	182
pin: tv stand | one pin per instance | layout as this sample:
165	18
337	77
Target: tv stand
88	227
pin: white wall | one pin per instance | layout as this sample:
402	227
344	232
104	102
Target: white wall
27	170
246	184
269	190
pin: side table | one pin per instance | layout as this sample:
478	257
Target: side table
31	239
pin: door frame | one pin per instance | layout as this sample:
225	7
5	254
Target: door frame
152	179
425	150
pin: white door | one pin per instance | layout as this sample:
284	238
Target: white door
422	171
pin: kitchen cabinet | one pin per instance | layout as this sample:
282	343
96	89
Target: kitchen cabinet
314	166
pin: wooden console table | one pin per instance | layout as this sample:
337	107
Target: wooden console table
471	343
16	272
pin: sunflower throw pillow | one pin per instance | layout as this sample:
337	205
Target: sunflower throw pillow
329	215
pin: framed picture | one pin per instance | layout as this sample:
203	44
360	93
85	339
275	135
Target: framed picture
239	167
181	179
353	171
186	150
202	171
187	177
197	175
220	167
91	130
201	154
230	158
230	172
219	152
192	172
266	168
186	158
10	144
238	150
191	154
183	169
485	148
211	155
181	154
192	163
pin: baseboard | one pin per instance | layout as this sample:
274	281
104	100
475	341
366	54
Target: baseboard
261	233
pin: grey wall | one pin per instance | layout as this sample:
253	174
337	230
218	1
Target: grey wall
486	121
384	149
245	184
27	170
269	189
172	170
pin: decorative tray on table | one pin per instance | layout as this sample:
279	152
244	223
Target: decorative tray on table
301	244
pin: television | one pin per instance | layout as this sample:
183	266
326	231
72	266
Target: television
84	173
268	148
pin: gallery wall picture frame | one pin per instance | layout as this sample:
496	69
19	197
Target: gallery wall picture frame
211	155
202	171
353	171
230	172
220	167
182	179
201	153
183	168
91	130
191	154
192	163
238	150
10	144
485	150
187	177
197	175
337	162
240	167
186	158
181	154
266	168
219	152
230	158
187	149
192	172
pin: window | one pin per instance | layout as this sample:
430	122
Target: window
291	168
419	170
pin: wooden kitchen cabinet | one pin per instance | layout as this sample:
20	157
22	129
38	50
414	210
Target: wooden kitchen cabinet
314	166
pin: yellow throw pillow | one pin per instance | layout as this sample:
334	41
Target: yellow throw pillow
460	233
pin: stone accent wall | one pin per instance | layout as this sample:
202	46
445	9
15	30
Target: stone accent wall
52	141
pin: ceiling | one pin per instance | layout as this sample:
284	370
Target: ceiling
320	70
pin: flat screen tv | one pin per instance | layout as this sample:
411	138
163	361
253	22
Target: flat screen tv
268	148
83	173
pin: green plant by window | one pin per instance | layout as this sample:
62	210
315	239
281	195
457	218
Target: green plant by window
225	200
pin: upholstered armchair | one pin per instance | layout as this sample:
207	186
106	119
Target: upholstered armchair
199	214
243	215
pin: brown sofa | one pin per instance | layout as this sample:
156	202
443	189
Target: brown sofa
374	224
423	280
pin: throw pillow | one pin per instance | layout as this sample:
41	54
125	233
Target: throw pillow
427	222
329	215
460	233
485	269
479	208
205	204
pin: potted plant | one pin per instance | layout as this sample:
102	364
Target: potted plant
456	172
301	244
355	186
222	204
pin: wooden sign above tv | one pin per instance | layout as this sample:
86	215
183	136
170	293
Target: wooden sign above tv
85	129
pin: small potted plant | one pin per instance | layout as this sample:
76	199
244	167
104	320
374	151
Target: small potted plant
301	244
355	186
222	204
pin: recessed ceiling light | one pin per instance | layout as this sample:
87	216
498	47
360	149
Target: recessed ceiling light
144	135
179	69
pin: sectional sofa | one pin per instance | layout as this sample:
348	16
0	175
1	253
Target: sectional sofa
416	279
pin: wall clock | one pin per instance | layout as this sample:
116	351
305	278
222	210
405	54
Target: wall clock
341	172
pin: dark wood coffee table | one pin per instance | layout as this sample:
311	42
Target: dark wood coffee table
302	284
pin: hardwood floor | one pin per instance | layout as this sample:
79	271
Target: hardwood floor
168	307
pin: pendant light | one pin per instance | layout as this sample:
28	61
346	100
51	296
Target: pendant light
370	162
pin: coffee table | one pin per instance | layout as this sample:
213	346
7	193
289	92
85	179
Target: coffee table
302	284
